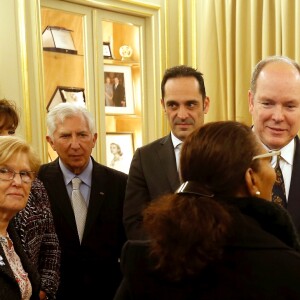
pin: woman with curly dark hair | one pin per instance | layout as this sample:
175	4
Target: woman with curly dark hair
219	236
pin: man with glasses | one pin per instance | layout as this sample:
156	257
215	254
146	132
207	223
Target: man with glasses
274	102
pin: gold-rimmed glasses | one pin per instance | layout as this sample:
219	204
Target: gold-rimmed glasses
9	174
268	154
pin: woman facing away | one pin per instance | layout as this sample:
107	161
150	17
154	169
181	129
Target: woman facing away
18	165
219	236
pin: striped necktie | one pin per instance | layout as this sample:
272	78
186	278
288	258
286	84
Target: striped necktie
278	193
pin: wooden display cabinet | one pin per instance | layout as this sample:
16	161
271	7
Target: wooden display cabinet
70	70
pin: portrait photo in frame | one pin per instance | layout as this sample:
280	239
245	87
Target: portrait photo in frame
67	94
118	90
119	150
107	50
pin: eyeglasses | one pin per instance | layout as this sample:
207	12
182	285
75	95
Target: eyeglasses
9	174
268	154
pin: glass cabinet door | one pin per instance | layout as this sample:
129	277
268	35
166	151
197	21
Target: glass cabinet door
94	57
122	88
64	57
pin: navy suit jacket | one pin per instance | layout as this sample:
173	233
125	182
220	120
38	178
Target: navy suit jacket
152	173
293	205
90	269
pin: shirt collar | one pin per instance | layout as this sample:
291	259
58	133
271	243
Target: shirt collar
176	141
85	176
287	152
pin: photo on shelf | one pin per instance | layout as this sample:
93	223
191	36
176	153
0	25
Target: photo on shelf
67	94
118	90
106	50
119	150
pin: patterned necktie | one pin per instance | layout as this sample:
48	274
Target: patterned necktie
79	206
278	193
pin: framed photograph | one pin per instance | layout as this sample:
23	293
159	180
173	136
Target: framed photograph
67	94
58	39
106	50
118	90
119	150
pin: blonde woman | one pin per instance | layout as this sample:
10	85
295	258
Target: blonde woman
18	166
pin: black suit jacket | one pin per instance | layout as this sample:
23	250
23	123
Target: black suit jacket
152	173
261	260
293	205
90	269
118	94
9	288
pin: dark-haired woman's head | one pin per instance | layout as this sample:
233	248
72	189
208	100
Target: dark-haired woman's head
219	156
9	119
188	229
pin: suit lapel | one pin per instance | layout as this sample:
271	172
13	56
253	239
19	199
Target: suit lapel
97	195
57	188
167	160
294	193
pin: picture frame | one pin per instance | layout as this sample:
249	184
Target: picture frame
107	50
119	150
118	100
58	39
67	94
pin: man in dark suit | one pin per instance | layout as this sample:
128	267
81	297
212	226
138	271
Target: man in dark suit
89	261
118	93
153	171
274	102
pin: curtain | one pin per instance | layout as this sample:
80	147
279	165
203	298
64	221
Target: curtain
232	36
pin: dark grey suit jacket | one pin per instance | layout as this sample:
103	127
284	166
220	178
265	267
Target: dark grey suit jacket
9	288
152	173
293	205
90	269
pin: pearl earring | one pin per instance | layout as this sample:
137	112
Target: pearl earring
257	193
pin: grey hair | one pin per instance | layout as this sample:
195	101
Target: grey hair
271	59
66	110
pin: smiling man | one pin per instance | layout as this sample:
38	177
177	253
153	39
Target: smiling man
274	102
154	167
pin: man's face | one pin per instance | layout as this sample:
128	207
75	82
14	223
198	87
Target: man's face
275	106
73	143
184	105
